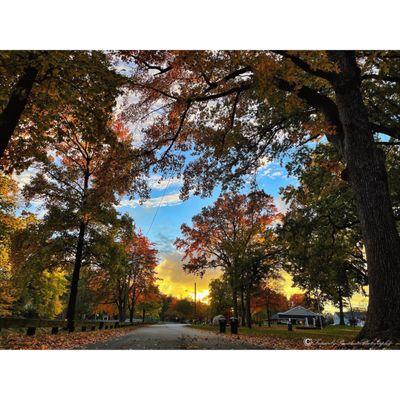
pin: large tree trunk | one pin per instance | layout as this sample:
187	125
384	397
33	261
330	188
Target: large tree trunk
75	278
11	114
367	176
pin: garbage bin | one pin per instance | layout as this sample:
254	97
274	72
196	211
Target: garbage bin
222	325
234	325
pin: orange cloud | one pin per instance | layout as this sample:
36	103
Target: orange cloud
174	281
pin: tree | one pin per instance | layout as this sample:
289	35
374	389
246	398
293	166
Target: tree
268	298
297	299
79	185
149	302
233	108
220	297
112	280
36	85
8	224
329	259
39	293
232	235
181	310
166	301
127	260
142	261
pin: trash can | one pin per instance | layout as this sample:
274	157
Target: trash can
234	325
222	325
290	326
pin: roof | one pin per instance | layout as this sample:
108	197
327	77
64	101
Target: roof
298	311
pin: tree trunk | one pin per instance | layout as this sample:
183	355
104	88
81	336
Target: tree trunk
248	309
143	315
367	176
341	315
268	313
235	303
11	114
75	278
78	259
242	308
132	310
122	312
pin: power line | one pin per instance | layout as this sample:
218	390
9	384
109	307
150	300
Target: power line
162	198
159	205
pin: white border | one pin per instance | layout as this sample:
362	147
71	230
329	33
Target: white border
190	24
198	375
206	24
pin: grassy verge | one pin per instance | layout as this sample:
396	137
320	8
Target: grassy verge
14	340
345	333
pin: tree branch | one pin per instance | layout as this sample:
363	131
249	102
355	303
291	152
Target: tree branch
387	130
232	75
329	76
386	78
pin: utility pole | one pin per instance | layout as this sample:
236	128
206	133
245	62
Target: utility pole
195	302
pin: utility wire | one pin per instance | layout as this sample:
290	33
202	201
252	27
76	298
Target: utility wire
159	205
162	198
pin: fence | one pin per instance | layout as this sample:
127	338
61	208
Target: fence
32	324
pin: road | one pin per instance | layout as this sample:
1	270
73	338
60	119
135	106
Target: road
169	337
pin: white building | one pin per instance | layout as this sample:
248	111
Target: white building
358	316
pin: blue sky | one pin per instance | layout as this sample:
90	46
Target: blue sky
169	213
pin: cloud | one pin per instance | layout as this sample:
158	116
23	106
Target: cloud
165	243
272	170
176	282
281	205
158	182
25	177
160	201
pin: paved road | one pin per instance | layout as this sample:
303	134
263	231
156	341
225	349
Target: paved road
169	337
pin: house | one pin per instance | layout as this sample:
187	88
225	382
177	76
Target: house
355	318
297	315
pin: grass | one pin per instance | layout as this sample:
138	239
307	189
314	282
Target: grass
346	333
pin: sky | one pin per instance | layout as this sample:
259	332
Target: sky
161	216
160	219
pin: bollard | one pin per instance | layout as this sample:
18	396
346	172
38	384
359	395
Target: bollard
234	326
222	325
54	330
31	331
